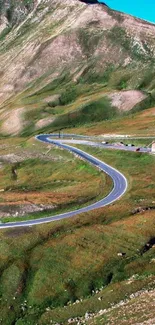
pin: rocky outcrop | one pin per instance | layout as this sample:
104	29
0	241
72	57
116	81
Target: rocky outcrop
15	11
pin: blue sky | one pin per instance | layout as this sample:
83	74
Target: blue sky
140	8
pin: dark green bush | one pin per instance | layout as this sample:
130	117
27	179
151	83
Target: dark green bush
69	95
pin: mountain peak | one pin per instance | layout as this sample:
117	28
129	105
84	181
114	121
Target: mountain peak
67	39
93	2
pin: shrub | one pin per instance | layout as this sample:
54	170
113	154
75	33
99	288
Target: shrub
68	96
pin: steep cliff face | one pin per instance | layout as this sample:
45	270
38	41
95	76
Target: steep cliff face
85	43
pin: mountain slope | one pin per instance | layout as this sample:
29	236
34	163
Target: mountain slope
75	44
90	70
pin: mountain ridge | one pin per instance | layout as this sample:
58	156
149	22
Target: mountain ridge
76	41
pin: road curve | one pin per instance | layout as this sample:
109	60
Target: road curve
119	187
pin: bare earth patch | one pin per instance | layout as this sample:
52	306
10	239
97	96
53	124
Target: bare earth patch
14	158
22	210
13	122
44	122
126	100
52	98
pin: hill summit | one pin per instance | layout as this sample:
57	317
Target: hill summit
92	2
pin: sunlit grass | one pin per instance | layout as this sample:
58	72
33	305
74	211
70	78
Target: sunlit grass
66	260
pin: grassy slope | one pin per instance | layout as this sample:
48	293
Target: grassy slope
86	110
62	262
41	179
65	261
140	124
137	310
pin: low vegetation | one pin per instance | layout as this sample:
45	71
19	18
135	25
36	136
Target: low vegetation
32	178
80	267
60	263
134	124
92	112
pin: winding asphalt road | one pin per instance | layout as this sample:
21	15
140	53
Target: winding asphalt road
119	182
